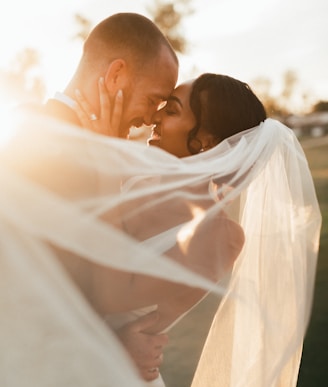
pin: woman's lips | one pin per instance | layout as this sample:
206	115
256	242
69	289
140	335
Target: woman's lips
155	135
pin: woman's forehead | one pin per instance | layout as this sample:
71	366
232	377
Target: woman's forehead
183	90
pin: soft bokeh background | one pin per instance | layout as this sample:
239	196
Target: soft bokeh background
257	41
278	46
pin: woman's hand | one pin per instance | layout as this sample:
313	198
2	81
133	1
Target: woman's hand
109	119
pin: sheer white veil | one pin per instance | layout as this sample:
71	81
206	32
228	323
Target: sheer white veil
124	205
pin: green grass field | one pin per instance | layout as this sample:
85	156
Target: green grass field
314	369
187	338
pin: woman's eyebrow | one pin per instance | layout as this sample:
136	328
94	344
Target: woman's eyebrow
176	99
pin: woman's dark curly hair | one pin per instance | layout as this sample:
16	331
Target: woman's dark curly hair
223	106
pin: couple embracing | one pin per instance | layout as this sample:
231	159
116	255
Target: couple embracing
221	195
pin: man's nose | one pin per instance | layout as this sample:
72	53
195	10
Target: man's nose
155	117
151	117
148	120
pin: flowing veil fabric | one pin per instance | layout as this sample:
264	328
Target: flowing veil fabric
259	341
137	209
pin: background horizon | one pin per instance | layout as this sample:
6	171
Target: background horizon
257	39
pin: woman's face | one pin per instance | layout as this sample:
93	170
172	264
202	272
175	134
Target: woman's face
174	122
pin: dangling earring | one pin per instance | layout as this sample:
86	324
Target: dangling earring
204	148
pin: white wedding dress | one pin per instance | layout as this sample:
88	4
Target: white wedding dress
58	183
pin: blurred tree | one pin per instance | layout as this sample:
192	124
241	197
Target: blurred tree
321	106
168	16
21	80
290	80
262	87
280	105
84	26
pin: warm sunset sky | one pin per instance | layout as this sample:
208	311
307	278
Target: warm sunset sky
243	38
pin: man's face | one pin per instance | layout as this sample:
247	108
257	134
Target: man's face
146	90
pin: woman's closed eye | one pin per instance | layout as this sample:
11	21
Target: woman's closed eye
171	109
170	112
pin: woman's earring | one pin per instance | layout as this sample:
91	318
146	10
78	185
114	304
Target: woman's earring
204	148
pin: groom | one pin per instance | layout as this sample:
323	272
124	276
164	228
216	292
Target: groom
128	55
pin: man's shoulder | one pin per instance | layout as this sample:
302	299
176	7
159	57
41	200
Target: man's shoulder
61	111
32	107
54	109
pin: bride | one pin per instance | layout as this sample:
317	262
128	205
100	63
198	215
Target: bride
62	186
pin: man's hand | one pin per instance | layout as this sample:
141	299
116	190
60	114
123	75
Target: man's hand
145	349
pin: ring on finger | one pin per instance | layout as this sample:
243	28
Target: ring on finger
93	117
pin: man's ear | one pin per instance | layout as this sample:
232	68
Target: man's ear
116	76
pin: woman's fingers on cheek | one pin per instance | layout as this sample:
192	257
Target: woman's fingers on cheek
83	104
79	111
104	98
117	110
79	96
84	120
